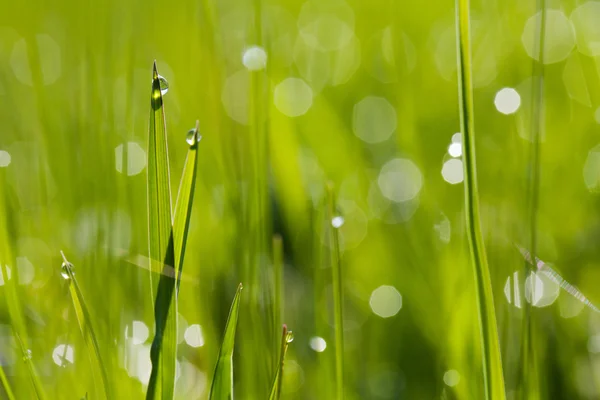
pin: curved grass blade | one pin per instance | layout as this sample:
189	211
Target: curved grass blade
286	338
551	273
222	383
492	361
87	330
336	268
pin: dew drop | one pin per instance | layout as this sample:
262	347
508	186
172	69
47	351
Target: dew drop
289	338
65	268
337	221
190	137
164	85
27	355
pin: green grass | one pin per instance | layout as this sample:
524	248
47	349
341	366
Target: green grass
384	306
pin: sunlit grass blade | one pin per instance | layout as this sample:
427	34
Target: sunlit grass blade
490	346
160	227
551	273
222	382
286	338
336	269
33	375
185	198
87	330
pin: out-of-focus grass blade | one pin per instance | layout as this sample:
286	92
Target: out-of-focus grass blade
222	382
551	273
5	385
490	346
185	198
278	276
286	338
160	228
336	269
87	330
13	303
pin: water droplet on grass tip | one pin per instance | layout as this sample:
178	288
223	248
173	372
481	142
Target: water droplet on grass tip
164	85
190	136
65	268
289	338
27	355
337	221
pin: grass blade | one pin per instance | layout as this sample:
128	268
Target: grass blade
163	352
286	338
336	269
222	383
490	347
5	385
87	330
278	277
185	198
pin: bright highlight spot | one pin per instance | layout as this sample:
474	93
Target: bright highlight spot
507	101
337	222
374	119
134	159
255	58
318	344
540	289
63	355
385	301
5	158
452	171
451	377
139	332
455	149
193	336
293	97
400	180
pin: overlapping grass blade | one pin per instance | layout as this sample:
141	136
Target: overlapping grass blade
222	382
336	269
87	330
160	224
286	339
490	347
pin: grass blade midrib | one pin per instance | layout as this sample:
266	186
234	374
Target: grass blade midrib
492	362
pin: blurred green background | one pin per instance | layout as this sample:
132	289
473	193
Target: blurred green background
291	95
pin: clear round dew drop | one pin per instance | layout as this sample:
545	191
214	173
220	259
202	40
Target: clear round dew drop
164	85
289	338
190	137
64	270
27	355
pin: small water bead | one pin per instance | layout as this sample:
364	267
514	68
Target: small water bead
289	337
164	85
190	136
65	268
337	221
27	355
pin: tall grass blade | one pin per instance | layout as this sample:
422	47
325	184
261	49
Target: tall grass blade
278	275
490	347
222	382
336	269
160	228
286	338
529	375
33	375
87	330
185	198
